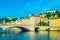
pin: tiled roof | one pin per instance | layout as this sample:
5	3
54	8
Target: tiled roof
54	18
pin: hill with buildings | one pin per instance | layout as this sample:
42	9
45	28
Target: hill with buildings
34	19
51	14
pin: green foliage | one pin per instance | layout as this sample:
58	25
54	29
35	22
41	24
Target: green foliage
48	15
32	15
40	13
48	29
58	13
43	23
53	14
1	20
7	20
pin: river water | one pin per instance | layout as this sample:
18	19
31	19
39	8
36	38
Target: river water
42	35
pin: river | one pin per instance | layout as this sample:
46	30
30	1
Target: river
42	35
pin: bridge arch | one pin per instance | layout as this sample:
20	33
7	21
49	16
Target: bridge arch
22	28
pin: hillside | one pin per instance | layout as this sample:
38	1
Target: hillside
52	14
48	14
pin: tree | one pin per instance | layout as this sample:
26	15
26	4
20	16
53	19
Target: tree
32	15
53	14
40	13
58	13
48	15
7	20
41	23
1	20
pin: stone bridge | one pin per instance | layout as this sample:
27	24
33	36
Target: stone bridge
31	28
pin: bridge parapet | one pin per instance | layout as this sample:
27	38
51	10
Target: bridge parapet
29	27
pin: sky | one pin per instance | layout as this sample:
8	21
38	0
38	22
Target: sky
23	8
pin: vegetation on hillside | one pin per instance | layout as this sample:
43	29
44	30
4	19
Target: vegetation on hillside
43	23
48	15
7	20
1	20
52	14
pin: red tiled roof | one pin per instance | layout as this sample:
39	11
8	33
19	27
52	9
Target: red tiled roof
54	18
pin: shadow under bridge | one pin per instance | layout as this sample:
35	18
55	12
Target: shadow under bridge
22	28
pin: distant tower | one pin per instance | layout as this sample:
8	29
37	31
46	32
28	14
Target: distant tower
4	21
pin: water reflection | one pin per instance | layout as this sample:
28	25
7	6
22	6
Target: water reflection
54	35
42	35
